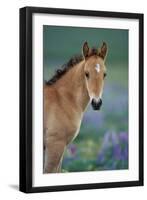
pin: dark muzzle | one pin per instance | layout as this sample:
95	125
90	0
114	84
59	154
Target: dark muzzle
96	105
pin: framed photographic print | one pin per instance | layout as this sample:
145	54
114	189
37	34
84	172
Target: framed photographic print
81	99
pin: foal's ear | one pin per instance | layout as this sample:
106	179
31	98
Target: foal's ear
85	49
102	52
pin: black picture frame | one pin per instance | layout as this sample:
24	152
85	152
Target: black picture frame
26	114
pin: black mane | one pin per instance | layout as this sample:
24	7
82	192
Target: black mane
66	67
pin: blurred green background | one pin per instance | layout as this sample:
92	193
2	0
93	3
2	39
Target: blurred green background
102	143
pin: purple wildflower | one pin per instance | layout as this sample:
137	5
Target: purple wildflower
72	149
117	153
123	136
114	151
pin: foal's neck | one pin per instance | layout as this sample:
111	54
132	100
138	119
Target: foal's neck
73	86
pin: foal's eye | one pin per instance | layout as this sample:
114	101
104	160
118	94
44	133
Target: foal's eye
87	74
105	75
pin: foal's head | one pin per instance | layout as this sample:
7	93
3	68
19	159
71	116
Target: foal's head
95	72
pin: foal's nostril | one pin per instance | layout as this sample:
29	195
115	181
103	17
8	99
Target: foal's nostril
100	101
